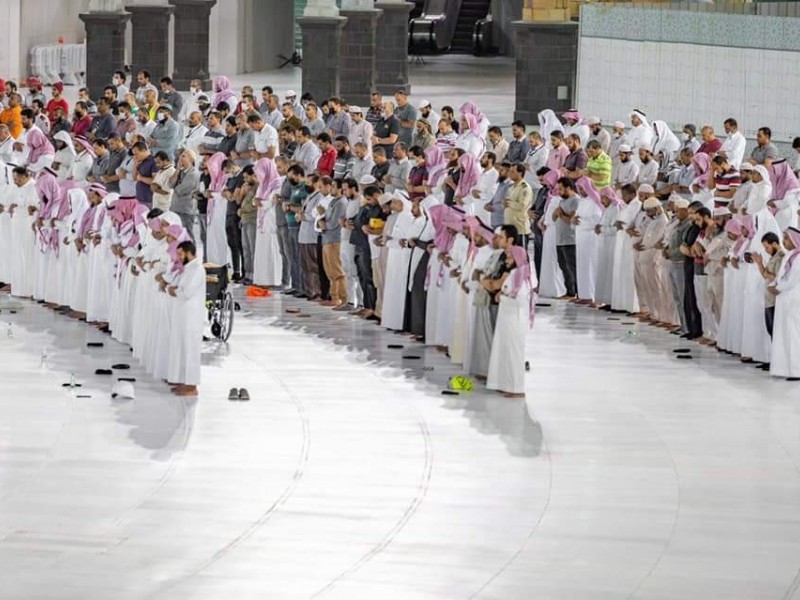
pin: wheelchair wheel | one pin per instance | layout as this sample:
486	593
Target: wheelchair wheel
226	317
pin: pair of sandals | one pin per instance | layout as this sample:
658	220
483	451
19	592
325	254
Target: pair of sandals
241	394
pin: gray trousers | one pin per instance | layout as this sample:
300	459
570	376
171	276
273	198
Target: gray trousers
248	247
283	244
678	285
188	221
293	254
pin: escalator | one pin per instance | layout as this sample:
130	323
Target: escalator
472	11
457	26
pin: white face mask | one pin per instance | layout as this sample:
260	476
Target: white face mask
684	137
194	90
116	81
161	118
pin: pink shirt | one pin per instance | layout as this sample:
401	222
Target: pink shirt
556	158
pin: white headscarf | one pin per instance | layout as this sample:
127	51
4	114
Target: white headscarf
760	193
65	137
666	141
548	123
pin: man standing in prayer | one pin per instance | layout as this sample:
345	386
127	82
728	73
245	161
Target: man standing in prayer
406	114
648	171
599	166
518	146
765	152
599	134
187	319
641	134
627	171
734	145
565	232
518	201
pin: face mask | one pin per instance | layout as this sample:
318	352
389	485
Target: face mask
684	137
194	90
116	81
385	115
162	118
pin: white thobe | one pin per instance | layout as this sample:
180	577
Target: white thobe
551	279
267	264
24	245
623	294
785	360
188	318
648	173
625	173
216	238
395	283
589	214
605	255
507	361
733	147
487	184
470	143
640	136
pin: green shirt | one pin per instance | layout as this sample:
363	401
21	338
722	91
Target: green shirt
600	166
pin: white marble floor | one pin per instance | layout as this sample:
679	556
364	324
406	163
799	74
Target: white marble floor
626	474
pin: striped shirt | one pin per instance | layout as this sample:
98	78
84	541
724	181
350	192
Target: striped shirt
600	170
727	180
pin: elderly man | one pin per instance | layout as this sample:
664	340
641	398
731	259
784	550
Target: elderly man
711	145
194	133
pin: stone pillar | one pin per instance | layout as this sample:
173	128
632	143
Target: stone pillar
105	47
191	42
359	51
150	39
392	59
322	45
547	65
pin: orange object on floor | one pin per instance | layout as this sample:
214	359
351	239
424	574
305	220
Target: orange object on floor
257	292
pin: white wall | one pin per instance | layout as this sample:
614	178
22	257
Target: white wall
687	83
43	21
9	41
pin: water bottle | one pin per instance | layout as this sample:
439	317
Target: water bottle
43	362
72	381
10	332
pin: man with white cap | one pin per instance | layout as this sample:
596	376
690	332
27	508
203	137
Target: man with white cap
596	132
291	97
427	113
641	134
627	171
618	138
361	130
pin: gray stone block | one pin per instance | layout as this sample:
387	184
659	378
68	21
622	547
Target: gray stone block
150	38
322	44
105	48
392	49
191	41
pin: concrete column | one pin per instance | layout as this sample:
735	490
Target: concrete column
547	64
359	52
392	56
191	42
150	38
322	45
105	47
321	8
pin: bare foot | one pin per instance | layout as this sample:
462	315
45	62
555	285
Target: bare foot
185	390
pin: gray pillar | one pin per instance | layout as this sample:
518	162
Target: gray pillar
191	42
105	47
359	51
322	42
150	37
392	55
547	65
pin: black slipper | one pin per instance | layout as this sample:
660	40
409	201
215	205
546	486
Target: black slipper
629	322
449	393
292	311
684	356
75	385
793	379
682	351
130	379
395	346
613	318
83	396
543	305
95	344
121	367
412	357
104	372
